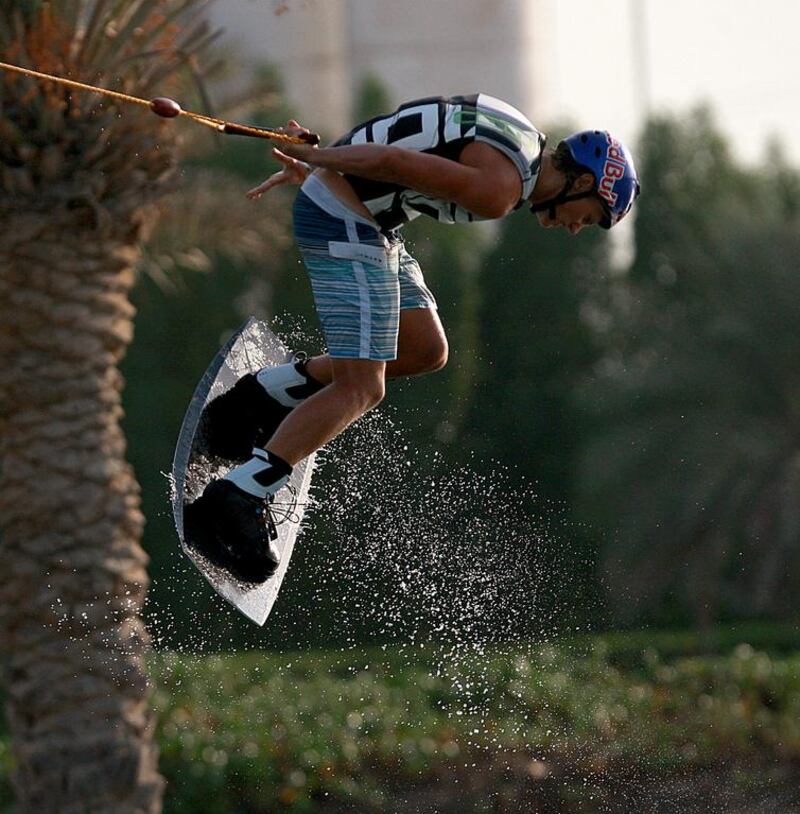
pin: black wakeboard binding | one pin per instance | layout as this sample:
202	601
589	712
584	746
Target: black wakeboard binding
234	530
247	416
243	417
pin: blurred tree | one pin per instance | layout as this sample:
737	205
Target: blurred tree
77	190
534	345
372	99
695	462
450	257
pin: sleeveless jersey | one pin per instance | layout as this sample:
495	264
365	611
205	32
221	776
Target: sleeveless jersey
443	126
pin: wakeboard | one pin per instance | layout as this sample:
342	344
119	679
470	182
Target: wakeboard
251	348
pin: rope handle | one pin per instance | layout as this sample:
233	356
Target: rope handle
168	108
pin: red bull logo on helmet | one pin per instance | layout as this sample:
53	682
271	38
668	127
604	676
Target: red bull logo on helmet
613	170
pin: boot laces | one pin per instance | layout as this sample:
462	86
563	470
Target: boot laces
277	512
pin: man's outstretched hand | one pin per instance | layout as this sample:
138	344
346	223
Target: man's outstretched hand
294	171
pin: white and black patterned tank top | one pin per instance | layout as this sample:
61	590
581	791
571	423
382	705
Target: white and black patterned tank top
443	127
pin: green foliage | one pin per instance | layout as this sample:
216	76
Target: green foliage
6	768
262	733
372	99
253	733
450	258
534	346
693	458
28	8
693	192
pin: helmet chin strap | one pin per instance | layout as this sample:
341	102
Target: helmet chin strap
562	197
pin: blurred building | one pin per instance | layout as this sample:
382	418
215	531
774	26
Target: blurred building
325	49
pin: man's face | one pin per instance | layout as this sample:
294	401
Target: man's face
574	215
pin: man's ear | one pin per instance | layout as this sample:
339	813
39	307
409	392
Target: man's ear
583	183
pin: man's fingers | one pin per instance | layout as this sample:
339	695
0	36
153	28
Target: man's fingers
293	124
286	160
258	191
293	128
292	172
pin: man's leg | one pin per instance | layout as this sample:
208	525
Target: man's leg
375	312
354	386
421	348
249	414
357	386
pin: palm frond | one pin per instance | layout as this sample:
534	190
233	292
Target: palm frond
129	45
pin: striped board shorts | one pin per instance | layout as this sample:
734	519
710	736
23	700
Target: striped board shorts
360	278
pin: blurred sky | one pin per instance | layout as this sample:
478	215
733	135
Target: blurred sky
741	56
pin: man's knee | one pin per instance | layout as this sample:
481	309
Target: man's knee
430	358
422	343
438	356
364	385
370	393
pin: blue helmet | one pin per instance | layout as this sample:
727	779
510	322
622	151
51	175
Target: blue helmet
611	165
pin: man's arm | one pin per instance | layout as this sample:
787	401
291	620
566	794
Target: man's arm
483	180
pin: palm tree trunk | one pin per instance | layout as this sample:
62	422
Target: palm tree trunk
73	572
